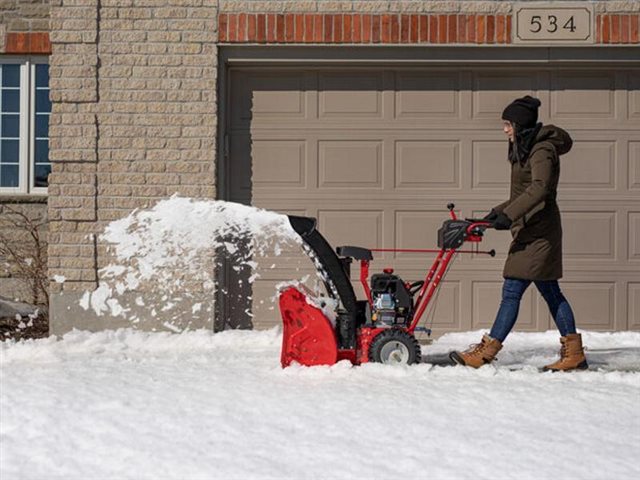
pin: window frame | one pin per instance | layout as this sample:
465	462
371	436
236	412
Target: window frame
27	137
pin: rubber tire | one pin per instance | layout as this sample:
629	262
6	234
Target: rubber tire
395	335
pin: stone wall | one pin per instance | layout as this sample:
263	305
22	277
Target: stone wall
134	121
24	26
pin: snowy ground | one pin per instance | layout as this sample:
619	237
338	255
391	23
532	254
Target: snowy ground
125	404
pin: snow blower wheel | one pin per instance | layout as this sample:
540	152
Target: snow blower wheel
394	347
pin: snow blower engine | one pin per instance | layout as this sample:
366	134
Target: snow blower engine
380	328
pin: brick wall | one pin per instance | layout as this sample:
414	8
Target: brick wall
24	27
134	121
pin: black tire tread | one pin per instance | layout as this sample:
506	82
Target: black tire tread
398	335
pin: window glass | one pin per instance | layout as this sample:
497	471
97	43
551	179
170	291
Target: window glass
10	76
9	126
42	167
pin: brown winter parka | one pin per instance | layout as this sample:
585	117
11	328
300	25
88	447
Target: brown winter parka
536	250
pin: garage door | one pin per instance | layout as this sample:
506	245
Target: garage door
376	154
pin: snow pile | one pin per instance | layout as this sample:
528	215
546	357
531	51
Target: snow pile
135	405
172	246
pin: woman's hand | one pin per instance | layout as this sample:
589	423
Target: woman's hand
491	216
501	222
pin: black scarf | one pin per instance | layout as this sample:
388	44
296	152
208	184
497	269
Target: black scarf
524	141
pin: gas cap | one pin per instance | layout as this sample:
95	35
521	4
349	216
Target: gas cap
388	270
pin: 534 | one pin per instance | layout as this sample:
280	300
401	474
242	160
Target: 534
551	24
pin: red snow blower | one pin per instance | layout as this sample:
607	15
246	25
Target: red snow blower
379	329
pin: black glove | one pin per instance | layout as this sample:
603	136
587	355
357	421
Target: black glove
491	216
501	222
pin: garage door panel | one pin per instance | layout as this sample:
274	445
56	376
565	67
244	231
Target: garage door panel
416	229
427	165
279	163
261	95
350	164
634	165
493	91
582	95
489	165
593	304
633	295
444	311
591	164
428	95
634	235
589	235
634	97
486	300
350	95
351	227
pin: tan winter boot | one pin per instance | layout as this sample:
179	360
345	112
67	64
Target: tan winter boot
571	355
478	354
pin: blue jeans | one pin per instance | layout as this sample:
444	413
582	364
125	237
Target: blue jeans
512	292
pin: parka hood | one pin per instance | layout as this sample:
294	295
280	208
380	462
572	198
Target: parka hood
558	137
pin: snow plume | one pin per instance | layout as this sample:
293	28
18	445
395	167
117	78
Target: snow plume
172	247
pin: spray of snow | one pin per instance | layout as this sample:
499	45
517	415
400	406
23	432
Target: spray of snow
175	244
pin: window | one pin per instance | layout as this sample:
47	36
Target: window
24	125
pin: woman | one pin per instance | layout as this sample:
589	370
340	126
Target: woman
535	255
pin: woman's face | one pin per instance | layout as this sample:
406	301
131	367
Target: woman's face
507	128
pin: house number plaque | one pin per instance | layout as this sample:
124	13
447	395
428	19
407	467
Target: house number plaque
554	23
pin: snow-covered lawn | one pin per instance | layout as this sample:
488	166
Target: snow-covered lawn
126	404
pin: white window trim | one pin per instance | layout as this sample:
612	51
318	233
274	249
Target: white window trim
27	125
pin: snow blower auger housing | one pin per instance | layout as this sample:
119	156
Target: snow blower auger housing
380	328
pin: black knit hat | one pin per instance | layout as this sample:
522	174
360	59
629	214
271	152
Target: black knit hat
523	111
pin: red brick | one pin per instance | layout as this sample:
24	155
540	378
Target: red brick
308	28
480	29
223	20
376	28
452	29
233	27
328	28
348	28
491	28
261	21
424	28
509	23
500	30
40	42
633	36
337	28
280	28
271	27
318	28
289	27
433	29
367	24
624	28
357	28
471	28
395	29
385	31
598	28
462	29
405	28
415	28
242	27
442	29
298	19
251	28
615	28
606	38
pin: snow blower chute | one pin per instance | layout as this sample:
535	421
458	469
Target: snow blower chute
380	328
